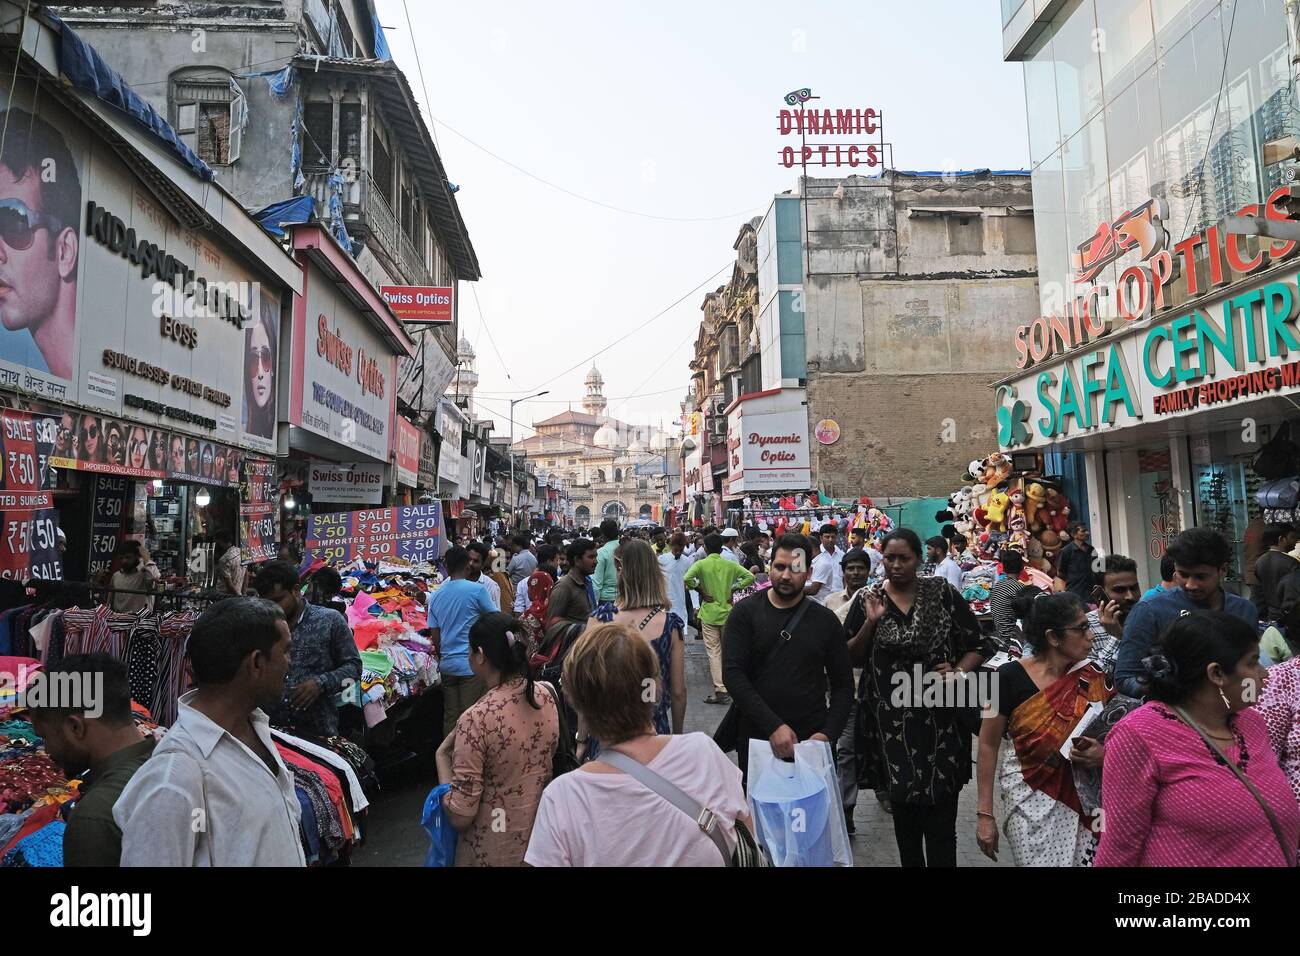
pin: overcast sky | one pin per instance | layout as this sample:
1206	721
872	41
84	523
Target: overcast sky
667	109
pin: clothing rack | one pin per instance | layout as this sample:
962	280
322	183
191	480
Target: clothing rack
163	600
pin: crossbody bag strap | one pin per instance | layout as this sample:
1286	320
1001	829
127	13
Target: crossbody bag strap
704	818
785	634
1241	775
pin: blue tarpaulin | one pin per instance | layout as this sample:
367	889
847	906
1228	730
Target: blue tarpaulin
275	217
87	71
381	45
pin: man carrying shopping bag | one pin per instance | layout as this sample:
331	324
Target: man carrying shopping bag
780	652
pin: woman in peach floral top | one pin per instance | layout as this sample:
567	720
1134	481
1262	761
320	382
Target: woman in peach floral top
498	759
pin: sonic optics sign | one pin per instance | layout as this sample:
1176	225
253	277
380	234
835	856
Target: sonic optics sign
1209	351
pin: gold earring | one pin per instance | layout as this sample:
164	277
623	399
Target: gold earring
1224	697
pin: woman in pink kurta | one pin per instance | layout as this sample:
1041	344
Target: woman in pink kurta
498	759
1280	705
1167	797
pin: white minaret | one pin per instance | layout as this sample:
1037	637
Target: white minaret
465	380
594	403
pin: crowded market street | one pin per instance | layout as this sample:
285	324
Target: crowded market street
651	437
398	839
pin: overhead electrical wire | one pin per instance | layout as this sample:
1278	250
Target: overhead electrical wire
659	314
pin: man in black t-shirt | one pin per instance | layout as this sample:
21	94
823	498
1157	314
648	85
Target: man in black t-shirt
779	685
1074	565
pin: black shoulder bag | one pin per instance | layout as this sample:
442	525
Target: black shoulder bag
727	736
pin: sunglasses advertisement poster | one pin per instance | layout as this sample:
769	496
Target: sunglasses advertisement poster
107	301
258	511
85	441
413	534
28	521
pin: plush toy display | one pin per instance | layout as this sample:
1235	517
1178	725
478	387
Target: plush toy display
997	510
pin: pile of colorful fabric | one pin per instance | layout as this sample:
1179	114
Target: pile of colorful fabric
33	789
386	611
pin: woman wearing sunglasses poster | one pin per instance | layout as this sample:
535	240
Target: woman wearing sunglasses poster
39	220
158	451
92	440
115	442
260	346
138	448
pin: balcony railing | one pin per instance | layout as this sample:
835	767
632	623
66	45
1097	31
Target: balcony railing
366	207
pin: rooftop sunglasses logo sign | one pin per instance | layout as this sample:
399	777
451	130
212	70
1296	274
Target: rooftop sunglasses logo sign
1141	228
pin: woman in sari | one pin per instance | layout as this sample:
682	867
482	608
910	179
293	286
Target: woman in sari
1041	699
538	588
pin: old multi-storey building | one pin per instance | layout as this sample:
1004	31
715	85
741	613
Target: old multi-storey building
726	366
297	99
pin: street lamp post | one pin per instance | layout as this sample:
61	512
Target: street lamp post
513	402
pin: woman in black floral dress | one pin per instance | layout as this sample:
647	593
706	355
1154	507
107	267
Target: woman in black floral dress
904	628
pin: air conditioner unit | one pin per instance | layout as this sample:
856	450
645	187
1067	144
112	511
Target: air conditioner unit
717	428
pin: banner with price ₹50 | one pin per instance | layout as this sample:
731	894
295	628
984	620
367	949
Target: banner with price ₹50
411	533
28	522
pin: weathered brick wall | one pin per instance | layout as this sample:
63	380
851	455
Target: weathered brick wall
892	431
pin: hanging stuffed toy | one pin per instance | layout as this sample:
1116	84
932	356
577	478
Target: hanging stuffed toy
995	513
1019	538
1035	497
1058	511
997	469
806	528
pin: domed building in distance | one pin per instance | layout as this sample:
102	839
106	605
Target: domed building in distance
611	469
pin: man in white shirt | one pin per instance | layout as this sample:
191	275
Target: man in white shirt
216	792
480	557
675	564
946	565
827	568
731	545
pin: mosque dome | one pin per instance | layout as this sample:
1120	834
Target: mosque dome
606	436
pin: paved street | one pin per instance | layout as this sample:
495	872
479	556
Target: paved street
396	839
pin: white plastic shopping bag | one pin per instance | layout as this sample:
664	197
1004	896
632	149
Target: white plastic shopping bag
798	817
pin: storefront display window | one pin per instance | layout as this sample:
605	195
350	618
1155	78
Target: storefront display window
1159	508
1224	490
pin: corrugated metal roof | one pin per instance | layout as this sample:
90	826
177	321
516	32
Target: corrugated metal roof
402	113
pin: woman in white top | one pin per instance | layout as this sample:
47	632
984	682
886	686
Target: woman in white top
599	816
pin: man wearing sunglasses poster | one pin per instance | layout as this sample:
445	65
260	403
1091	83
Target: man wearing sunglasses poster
40	210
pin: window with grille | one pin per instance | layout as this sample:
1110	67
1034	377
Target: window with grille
350	134
318	123
209	113
381	167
